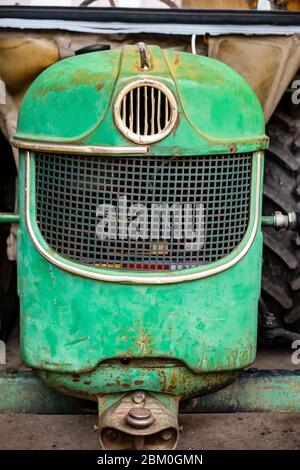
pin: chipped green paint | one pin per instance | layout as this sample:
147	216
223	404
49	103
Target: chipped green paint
268	220
71	325
7	218
23	392
72	102
160	376
253	391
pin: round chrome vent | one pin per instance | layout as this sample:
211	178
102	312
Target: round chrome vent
145	111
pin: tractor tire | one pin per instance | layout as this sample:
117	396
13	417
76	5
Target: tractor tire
281	258
9	302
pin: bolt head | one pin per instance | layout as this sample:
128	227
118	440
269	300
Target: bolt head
138	397
139	413
139	418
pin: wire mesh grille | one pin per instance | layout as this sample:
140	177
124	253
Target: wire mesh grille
70	190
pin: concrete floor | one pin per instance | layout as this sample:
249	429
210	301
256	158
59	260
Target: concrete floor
206	431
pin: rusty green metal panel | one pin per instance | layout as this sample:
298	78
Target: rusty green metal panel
253	391
23	392
69	323
72	324
154	376
70	99
268	220
72	102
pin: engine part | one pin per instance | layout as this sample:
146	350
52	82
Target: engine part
150	425
281	266
271	329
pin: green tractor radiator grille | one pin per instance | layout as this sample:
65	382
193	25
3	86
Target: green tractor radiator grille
75	192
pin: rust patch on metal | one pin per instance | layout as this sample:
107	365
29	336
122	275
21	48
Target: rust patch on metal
138	382
144	343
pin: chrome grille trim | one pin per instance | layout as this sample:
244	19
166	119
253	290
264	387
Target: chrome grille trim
145	111
67	148
136	278
69	191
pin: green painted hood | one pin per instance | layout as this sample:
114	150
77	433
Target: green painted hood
72	100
